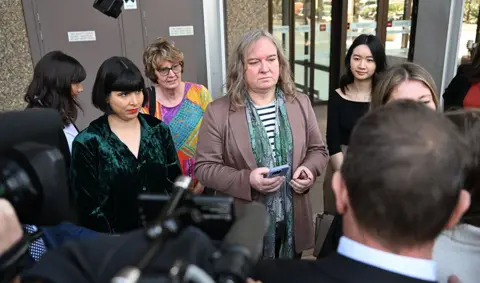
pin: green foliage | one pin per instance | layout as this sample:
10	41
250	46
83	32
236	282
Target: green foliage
470	13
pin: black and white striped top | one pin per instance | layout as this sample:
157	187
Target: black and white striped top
267	115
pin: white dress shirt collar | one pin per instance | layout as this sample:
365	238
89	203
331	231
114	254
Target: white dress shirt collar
422	269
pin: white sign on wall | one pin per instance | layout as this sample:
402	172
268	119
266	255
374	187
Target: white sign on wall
181	31
79	36
130	4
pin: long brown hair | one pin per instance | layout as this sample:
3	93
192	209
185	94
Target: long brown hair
236	87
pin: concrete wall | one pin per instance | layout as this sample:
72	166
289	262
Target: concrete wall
15	60
242	16
437	37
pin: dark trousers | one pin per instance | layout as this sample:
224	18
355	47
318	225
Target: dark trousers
332	239
280	234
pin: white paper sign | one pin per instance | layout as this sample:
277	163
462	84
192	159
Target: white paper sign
181	31
78	36
130	4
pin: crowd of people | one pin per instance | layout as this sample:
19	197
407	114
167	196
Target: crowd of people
400	176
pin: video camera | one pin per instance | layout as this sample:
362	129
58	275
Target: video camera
34	158
241	240
34	162
33	176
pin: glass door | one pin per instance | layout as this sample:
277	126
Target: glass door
322	54
469	34
280	19
315	35
361	18
399	25
302	45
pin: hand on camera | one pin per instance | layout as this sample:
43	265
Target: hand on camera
259	182
197	189
10	229
302	180
454	279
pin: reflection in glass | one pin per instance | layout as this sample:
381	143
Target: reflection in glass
322	49
362	18
398	27
468	34
280	21
303	20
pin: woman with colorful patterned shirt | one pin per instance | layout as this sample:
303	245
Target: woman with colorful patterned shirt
179	104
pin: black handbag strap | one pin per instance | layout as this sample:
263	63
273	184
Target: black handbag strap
152	101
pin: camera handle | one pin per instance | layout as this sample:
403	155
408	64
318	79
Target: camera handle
159	233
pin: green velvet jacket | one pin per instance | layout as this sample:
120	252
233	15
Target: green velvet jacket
107	178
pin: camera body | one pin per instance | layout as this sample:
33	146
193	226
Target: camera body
217	212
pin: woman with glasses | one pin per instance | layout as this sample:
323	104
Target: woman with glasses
177	103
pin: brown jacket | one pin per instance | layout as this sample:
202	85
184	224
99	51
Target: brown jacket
225	157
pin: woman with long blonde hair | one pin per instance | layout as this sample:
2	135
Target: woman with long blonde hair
405	81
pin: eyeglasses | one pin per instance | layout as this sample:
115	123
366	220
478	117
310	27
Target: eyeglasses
175	68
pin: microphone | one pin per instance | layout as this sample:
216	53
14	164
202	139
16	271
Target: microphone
158	232
180	187
243	245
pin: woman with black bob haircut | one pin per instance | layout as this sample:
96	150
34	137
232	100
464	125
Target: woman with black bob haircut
57	81
121	154
365	59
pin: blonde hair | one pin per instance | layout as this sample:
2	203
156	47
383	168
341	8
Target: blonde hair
236	87
160	50
398	74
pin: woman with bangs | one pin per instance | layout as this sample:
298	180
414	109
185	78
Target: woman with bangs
121	154
56	84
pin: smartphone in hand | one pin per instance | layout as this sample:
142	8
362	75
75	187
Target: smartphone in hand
278	171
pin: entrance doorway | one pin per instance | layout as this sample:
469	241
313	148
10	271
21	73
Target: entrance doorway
316	34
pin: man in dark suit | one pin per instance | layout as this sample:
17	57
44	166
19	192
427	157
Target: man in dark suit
398	188
50	237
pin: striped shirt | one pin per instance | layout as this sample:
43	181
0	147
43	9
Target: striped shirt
267	115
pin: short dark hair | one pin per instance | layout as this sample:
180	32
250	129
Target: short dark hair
403	171
51	86
468	121
116	74
378	53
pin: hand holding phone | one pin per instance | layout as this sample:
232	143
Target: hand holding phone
278	171
259	182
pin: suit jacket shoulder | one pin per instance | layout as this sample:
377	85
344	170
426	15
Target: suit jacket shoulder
333	269
56	236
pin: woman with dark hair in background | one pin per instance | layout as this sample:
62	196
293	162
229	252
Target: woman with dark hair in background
57	81
121	154
365	59
464	90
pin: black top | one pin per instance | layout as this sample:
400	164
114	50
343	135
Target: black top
342	117
332	269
